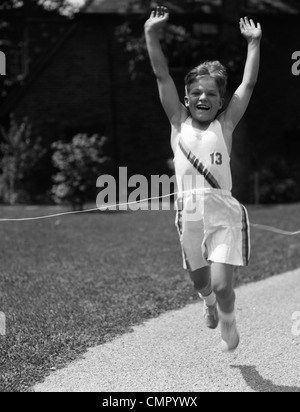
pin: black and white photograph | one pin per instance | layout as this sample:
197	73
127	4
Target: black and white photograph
149	199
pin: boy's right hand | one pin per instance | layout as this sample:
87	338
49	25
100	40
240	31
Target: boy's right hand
158	19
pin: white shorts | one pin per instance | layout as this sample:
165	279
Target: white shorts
213	227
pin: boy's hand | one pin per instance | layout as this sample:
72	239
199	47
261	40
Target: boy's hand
250	31
158	19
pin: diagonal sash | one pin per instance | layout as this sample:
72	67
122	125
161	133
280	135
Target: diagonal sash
198	165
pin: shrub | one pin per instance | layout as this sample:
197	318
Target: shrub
278	183
79	165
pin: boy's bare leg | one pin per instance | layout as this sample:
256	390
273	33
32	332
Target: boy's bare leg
202	283
201	279
222	284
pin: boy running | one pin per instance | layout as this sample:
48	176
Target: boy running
213	226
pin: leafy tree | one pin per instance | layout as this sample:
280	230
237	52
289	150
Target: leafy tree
62	6
184	46
79	165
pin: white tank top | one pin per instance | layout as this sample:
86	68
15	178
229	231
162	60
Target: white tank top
202	160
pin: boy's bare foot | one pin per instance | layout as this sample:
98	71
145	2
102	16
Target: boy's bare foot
211	315
230	336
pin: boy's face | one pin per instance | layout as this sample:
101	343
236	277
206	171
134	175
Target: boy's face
203	99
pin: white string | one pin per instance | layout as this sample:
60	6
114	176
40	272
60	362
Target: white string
106	207
274	230
103	208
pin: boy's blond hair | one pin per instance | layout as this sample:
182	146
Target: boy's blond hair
213	69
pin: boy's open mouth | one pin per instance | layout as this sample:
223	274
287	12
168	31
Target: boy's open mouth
203	107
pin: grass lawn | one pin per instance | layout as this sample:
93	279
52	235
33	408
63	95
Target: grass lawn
70	283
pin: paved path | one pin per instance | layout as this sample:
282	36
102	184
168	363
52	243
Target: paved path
175	352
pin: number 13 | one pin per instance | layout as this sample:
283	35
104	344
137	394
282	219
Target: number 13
216	158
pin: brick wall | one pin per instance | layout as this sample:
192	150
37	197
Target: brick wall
86	88
73	90
274	112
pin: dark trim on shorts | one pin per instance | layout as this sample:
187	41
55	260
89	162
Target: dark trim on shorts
246	237
179	216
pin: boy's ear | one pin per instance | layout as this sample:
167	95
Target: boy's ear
222	102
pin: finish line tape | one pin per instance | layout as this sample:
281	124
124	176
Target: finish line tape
105	208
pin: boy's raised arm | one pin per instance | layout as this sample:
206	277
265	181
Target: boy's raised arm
167	89
242	96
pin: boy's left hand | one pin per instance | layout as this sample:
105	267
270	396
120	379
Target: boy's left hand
249	30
